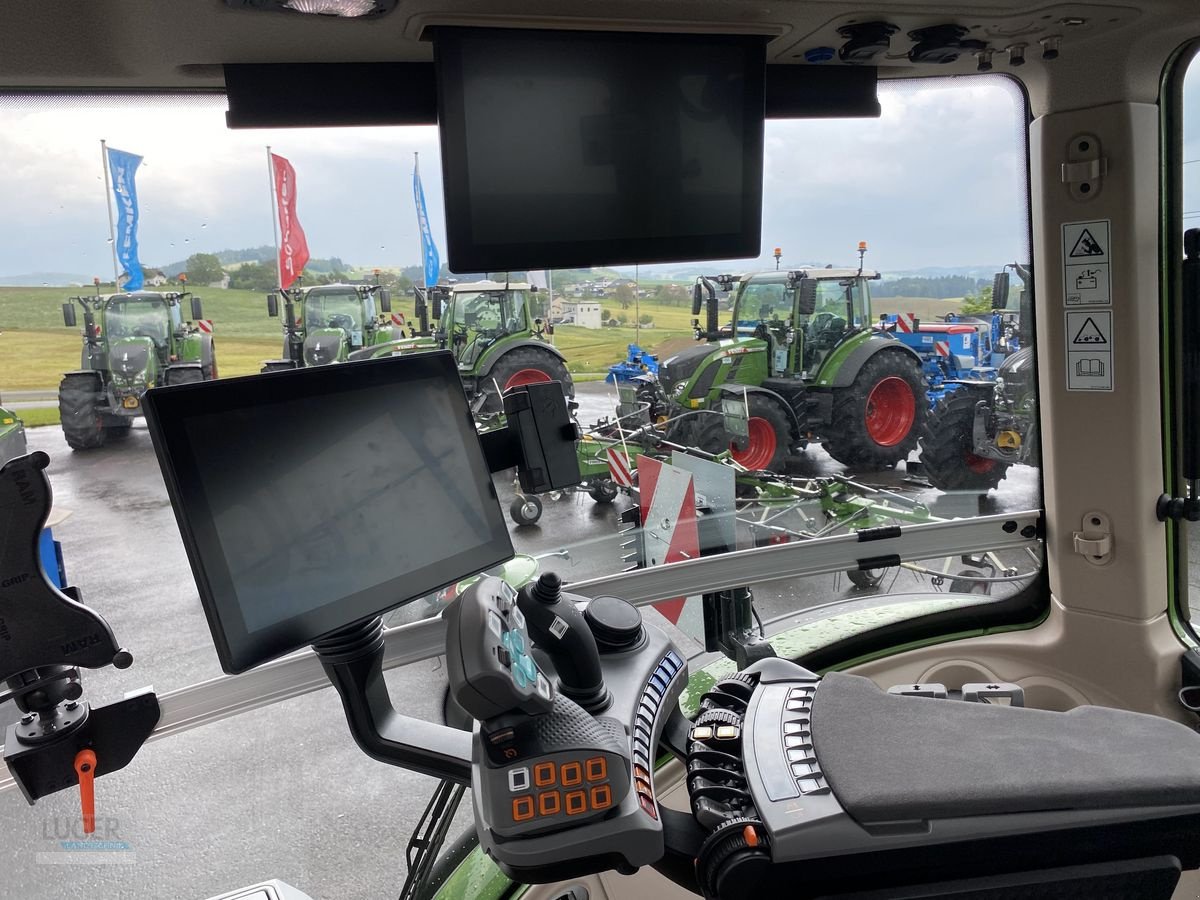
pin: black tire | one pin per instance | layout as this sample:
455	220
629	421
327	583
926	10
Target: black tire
452	857
517	360
963	586
861	432
770	440
79	412
866	580
210	371
604	491
182	375
525	509
947	447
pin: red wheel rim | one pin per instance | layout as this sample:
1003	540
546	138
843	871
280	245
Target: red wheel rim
523	377
760	448
980	465
891	411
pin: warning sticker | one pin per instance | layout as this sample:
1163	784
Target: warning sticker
1089	351
1086	263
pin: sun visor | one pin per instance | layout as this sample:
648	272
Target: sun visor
315	95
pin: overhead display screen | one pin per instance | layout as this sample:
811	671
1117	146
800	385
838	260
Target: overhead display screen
564	149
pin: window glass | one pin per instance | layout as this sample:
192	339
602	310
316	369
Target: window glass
862	402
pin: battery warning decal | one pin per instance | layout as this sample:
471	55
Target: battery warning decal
1087	263
1089	350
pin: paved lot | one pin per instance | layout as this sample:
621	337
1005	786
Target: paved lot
282	792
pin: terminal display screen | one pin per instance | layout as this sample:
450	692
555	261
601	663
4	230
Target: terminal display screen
313	499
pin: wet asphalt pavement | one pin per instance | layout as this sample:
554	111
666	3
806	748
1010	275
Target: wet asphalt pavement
281	792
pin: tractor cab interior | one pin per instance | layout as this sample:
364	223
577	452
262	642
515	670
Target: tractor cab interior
915	621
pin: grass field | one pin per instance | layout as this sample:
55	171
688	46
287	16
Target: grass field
36	348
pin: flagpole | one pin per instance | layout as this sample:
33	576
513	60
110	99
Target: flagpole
420	230
550	298
274	215
112	228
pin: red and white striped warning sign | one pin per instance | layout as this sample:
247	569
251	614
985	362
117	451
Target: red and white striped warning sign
667	502
906	322
942	348
619	468
205	325
398	319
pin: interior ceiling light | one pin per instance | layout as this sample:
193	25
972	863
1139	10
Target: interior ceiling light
344	9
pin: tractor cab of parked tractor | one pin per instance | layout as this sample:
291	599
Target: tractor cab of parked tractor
332	322
479	314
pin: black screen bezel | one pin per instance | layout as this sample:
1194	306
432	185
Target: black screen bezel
743	240
168	410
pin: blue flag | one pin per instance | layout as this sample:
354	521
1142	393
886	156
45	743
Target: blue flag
432	262
123	165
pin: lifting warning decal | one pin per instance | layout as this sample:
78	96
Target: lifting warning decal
1089	351
1087	261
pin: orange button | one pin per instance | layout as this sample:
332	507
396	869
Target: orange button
601	797
571	774
576	803
597	768
639	772
750	836
648	806
549	803
522	809
543	774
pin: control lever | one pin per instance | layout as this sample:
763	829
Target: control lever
559	629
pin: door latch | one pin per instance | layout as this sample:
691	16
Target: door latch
1094	540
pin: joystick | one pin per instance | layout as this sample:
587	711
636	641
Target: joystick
560	630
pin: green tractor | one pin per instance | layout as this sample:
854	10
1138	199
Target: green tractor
802	353
131	342
498	343
12	436
333	323
488	326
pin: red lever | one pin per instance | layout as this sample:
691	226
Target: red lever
85	768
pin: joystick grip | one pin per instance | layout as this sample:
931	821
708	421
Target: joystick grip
559	629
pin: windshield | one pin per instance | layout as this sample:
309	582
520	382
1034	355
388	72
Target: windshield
333	311
137	318
821	438
758	301
495	311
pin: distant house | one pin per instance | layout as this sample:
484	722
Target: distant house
223	283
587	314
156	278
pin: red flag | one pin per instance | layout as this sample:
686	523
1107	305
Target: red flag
293	248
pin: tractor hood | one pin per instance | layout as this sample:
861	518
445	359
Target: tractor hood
323	346
683	365
129	358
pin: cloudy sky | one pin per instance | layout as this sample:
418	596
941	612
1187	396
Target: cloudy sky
937	181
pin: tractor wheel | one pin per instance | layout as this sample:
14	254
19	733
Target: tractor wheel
876	421
604	491
184	376
79	413
946	447
210	371
525	509
521	366
865	580
767	448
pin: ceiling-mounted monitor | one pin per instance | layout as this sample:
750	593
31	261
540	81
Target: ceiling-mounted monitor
563	149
